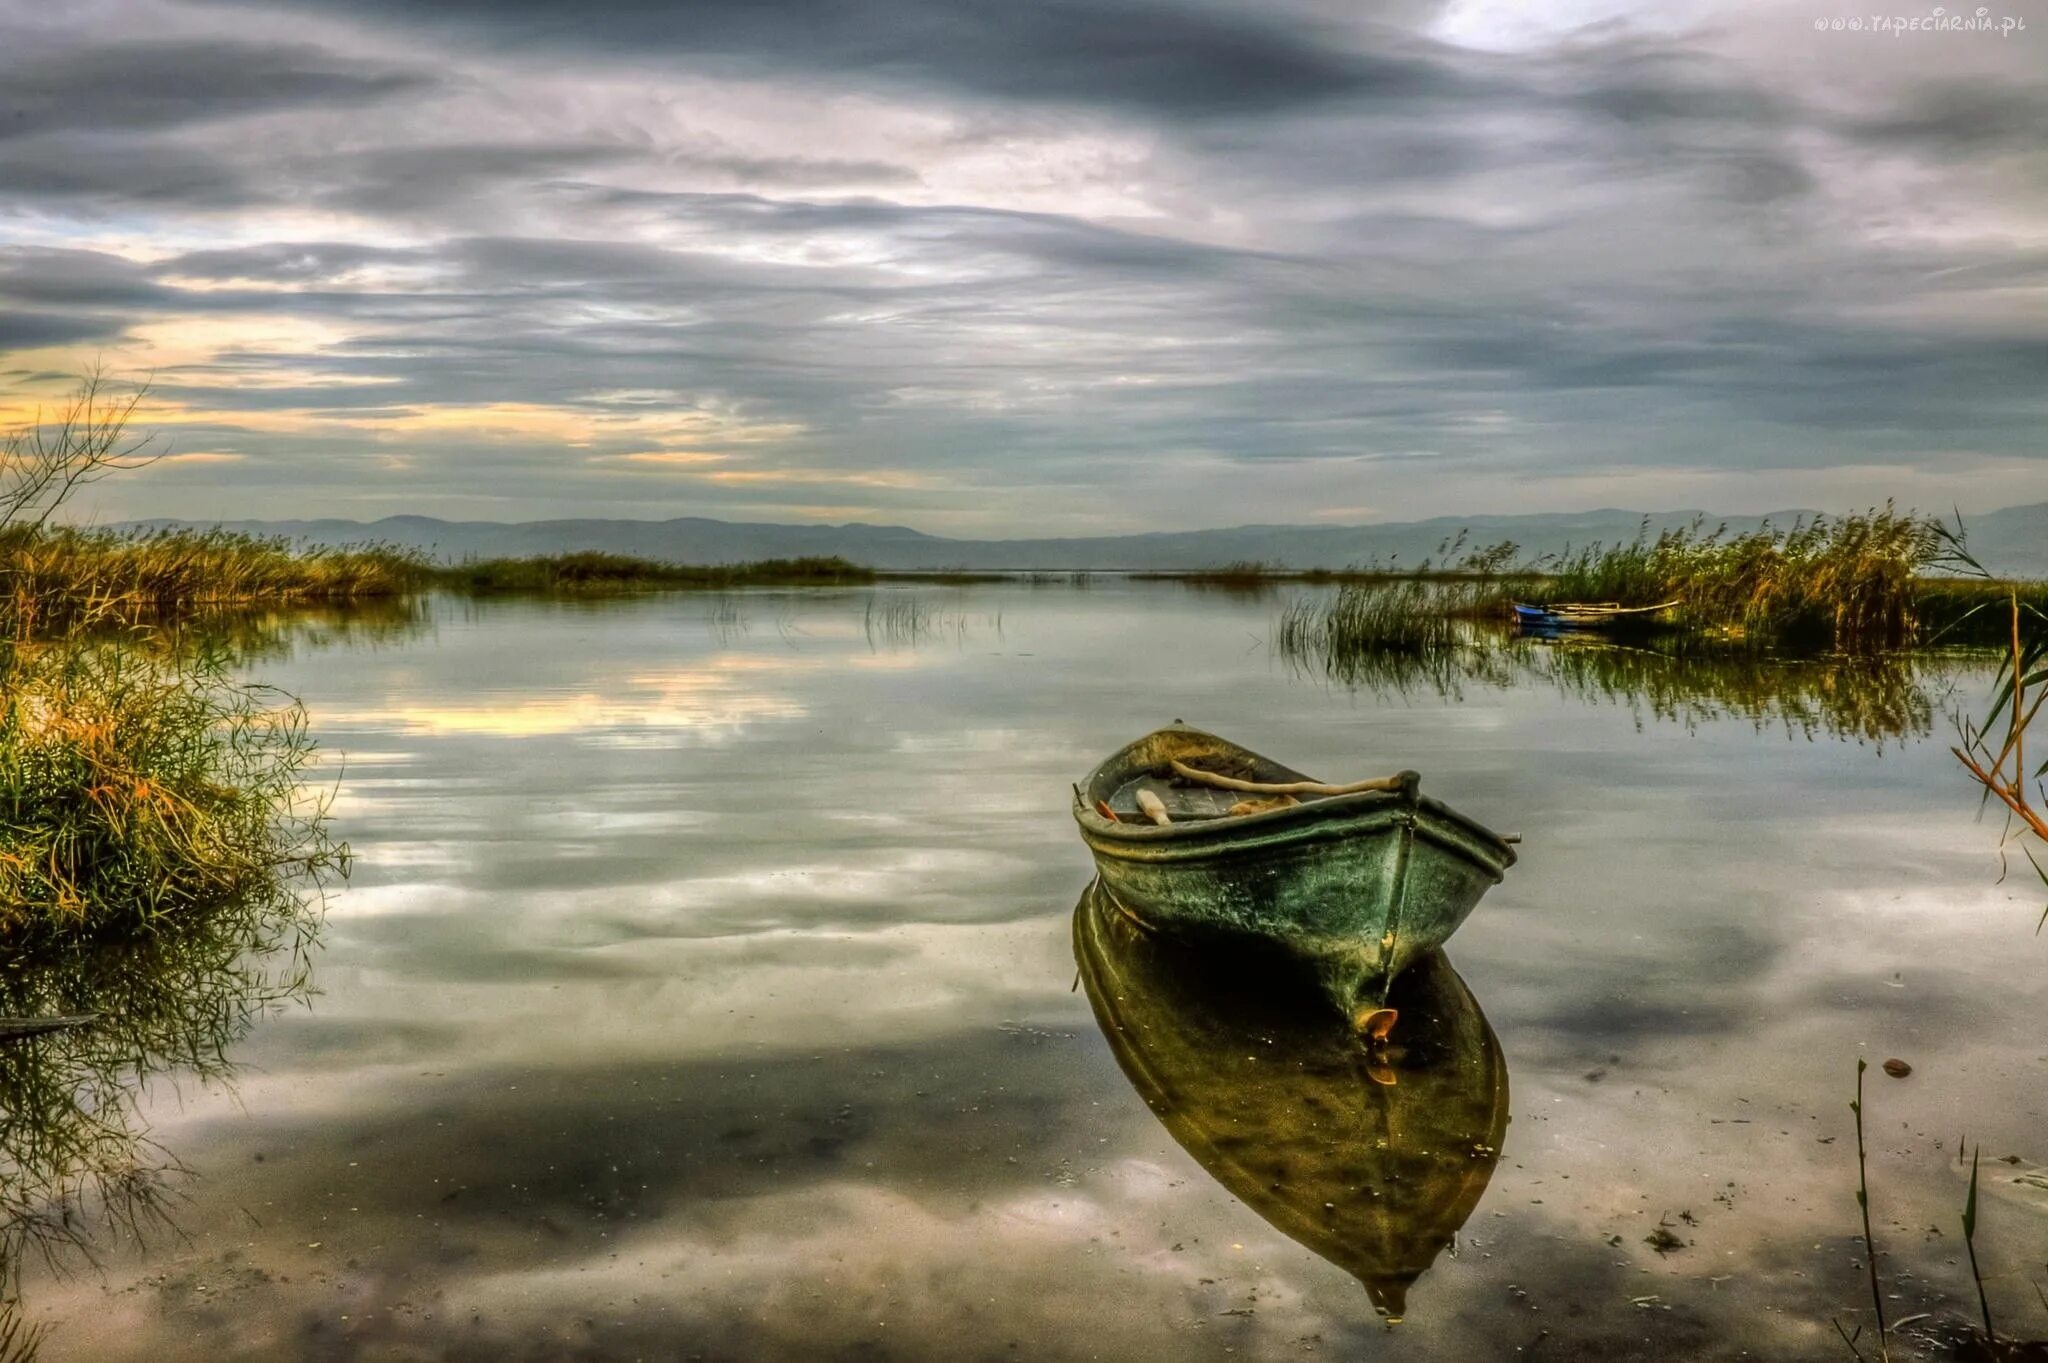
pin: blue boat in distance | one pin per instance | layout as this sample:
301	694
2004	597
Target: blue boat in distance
1580	614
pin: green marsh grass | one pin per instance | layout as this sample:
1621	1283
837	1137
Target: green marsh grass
1409	617
594	572
1844	582
139	788
1977	611
1389	637
1240	576
142	785
54	579
160	849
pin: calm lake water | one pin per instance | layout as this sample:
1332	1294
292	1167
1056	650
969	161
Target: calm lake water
706	988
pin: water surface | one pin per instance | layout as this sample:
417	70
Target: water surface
706	989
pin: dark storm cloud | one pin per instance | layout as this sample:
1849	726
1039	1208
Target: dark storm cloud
1636	85
794	172
1047	238
1959	118
155	85
1901	384
99	173
95	283
297	262
78	279
1188	60
21	330
411	180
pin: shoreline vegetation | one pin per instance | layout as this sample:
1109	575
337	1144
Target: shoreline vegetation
145	788
1873	581
162	846
1868	581
596	572
1830	583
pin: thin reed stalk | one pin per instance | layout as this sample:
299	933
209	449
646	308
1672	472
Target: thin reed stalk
1994	750
1863	1202
1970	1242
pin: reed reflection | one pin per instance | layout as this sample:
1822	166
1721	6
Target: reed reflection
1865	697
77	1164
1372	1156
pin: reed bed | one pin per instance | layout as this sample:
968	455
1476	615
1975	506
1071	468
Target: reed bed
894	620
54	579
1410	617
138	788
898	620
61	579
598	573
1850	582
1410	613
1390	637
141	786
1240	575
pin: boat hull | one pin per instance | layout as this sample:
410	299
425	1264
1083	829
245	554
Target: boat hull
1360	886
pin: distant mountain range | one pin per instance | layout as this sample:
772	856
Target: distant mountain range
2013	542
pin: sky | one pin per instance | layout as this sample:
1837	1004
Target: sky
1002	267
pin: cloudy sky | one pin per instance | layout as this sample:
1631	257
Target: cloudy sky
1002	266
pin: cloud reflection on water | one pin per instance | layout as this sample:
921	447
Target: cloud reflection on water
751	1047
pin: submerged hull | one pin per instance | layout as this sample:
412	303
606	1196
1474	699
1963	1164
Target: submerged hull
1360	886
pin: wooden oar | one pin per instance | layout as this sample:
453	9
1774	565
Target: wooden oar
1404	780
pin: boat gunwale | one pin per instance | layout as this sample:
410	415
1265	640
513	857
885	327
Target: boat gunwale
1244	832
1433	821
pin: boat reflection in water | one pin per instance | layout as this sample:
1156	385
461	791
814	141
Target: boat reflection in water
1372	1155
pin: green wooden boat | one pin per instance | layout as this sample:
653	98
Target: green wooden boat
1370	1155
1361	885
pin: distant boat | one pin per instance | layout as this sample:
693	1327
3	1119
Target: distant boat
1581	614
1359	880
